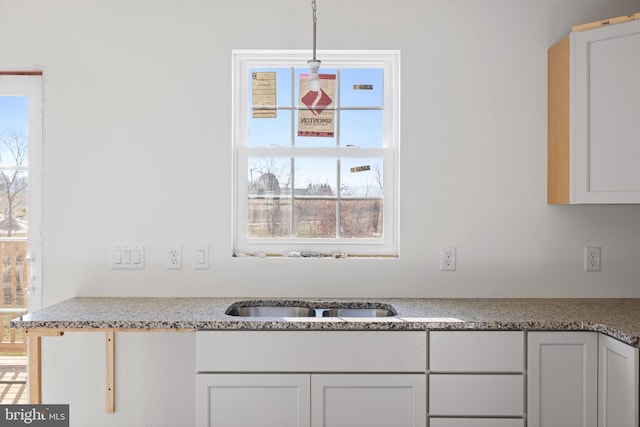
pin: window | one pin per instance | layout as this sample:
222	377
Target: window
316	172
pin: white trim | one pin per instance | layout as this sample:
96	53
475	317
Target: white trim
389	61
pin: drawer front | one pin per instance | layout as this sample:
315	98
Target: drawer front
311	351
476	351
476	395
479	422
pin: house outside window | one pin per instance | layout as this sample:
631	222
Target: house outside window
316	171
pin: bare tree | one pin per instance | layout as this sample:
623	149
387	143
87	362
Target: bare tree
13	181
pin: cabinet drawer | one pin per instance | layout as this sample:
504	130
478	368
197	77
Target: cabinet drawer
311	351
476	395
480	422
476	351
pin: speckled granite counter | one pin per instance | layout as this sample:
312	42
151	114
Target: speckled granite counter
618	318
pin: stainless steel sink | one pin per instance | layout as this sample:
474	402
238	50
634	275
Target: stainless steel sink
267	311
358	312
284	308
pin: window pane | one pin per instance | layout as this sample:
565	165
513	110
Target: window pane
361	128
269	200
360	87
13	202
361	177
315	177
264	132
315	218
302	72
361	218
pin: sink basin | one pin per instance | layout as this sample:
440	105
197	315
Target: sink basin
297	309
358	312
264	311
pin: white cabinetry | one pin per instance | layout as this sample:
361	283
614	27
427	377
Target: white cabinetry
594	105
253	400
618	384
562	379
368	400
474	376
316	378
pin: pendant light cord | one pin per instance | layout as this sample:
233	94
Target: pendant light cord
315	20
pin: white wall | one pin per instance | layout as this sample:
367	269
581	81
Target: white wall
137	150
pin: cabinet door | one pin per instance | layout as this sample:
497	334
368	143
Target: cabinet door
252	400
605	94
368	400
618	384
562	381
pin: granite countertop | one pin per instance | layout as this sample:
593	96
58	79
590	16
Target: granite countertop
618	318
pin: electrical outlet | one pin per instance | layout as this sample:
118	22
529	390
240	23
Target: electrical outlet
592	258
174	258
448	258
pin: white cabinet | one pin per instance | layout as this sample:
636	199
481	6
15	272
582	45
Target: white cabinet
562	379
253	400
368	400
618	384
311	378
474	376
594	105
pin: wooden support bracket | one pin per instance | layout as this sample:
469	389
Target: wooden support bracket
35	361
111	372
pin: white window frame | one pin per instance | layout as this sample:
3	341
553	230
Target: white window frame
389	61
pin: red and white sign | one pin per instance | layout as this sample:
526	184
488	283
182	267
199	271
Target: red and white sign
316	117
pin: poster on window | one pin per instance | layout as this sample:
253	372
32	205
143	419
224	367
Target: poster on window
316	116
263	86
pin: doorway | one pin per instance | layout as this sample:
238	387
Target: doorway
20	216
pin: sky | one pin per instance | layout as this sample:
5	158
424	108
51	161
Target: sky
13	116
13	112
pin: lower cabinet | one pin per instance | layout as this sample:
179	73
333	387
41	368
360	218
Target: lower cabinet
618	384
403	379
311	379
562	379
259	400
317	400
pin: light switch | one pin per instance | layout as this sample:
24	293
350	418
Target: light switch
116	256
201	258
127	257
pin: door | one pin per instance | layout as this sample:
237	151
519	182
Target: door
618	384
252	400
562	380
368	400
20	217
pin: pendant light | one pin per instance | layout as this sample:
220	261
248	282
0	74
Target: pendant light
314	64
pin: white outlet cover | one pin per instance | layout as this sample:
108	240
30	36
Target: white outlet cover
174	257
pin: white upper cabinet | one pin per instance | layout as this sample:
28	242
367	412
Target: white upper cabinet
594	106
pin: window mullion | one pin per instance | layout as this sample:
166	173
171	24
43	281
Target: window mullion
292	157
